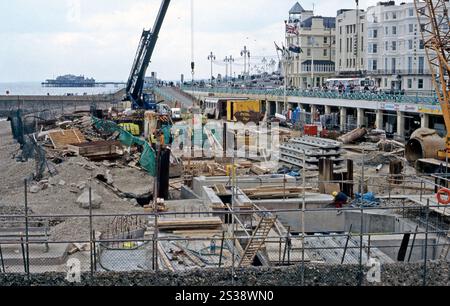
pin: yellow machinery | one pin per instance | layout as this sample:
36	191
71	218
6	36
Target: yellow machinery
435	27
243	110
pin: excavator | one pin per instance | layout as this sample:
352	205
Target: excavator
426	148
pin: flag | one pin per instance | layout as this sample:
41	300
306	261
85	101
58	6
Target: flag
277	47
295	49
284	51
291	29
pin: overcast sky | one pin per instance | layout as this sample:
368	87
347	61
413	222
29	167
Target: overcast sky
42	39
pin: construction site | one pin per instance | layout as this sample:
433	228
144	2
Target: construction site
126	193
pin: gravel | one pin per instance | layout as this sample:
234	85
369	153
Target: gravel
315	275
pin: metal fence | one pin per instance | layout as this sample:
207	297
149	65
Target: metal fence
368	96
134	242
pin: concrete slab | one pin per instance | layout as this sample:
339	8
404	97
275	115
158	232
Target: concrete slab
56	255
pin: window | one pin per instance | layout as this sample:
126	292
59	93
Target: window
362	28
394	15
308	52
354	62
385	64
325	52
386	16
410	44
374	65
422	27
420	84
411	28
411	12
421	45
385	82
373	48
375	33
394	65
325	40
394	30
340	30
409	83
394	45
421	64
386	30
340	45
310	40
386	46
410	64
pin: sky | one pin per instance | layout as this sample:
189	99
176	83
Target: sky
41	39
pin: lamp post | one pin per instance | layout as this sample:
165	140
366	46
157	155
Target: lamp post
246	54
211	57
231	61
226	61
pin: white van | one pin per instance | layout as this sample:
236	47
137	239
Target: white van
176	114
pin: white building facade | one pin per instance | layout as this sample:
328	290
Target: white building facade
316	36
396	58
350	43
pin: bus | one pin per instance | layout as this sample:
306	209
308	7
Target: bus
216	108
358	84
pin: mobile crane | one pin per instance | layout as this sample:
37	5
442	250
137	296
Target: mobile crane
135	84
436	36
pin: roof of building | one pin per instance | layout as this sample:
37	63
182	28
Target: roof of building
297	9
318	62
328	22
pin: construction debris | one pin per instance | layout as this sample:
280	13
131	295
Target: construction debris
63	138
90	200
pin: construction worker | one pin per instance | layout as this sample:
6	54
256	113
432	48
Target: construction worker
340	199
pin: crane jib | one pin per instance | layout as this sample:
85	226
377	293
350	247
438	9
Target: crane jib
143	57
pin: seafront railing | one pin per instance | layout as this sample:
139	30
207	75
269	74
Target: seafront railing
368	96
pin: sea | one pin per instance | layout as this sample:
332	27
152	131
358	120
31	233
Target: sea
36	89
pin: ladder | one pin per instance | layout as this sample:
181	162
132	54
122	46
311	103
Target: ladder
257	240
445	250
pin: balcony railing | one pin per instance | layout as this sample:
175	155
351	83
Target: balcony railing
401	72
279	92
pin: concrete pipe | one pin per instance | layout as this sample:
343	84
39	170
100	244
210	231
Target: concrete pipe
424	143
353	136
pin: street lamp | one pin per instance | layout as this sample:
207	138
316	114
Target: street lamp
246	54
231	61
226	60
211	57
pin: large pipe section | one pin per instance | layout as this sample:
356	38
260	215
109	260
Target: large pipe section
353	136
424	143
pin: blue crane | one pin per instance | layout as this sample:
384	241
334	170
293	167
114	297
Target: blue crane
135	84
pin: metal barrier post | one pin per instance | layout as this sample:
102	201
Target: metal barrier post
27	250
425	258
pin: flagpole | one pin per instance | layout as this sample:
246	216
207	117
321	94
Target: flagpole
285	55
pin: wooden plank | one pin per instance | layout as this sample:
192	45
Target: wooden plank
193	223
61	139
166	260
